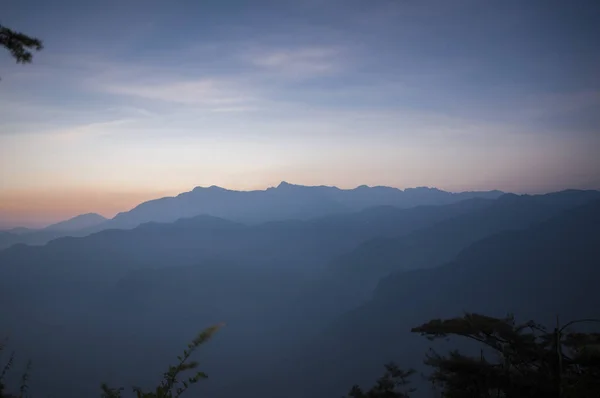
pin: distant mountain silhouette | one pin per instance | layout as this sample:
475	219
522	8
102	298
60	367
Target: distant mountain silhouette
76	223
19	230
275	286
285	202
41	236
441	242
307	244
81	225
205	267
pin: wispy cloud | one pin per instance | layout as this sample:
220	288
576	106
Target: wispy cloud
192	92
304	61
91	130
241	84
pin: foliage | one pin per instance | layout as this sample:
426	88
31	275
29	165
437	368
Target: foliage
531	361
172	385
5	369
19	44
393	384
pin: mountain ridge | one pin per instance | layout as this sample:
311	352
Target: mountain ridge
441	242
285	202
152	285
81	221
279	203
512	271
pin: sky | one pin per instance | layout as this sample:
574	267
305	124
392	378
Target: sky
136	99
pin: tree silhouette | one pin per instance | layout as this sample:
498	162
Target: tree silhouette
19	44
4	371
393	384
530	360
171	385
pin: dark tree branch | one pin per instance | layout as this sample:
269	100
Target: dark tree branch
19	44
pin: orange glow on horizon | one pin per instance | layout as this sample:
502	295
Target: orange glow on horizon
37	208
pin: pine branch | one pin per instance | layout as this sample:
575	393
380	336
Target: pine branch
19	44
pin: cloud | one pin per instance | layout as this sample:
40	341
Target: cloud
303	62
204	92
91	130
43	118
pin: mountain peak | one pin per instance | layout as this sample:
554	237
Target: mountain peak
284	184
211	188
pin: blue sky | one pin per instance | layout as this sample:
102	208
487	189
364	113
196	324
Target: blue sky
132	100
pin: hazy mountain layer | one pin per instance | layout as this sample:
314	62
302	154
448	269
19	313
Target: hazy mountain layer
76	223
286	202
442	241
549	269
118	305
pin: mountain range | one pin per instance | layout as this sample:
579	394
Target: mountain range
285	202
318	303
547	271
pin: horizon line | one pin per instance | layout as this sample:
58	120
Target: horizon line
283	183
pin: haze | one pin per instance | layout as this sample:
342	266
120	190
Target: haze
139	99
